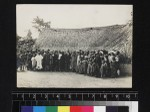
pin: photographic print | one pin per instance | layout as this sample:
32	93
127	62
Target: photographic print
74	46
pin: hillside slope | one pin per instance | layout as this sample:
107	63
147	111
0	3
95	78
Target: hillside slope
117	37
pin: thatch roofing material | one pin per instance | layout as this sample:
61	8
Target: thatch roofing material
117	37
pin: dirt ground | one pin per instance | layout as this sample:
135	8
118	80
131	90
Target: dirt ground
31	79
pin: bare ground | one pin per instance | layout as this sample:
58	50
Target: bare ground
31	79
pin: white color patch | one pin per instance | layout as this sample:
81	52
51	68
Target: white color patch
99	108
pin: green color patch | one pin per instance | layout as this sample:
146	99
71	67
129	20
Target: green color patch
51	108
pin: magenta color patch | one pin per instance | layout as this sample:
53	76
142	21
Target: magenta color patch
87	109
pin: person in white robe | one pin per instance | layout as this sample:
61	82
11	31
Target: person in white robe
39	59
33	62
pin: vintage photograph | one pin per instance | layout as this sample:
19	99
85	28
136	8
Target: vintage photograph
74	46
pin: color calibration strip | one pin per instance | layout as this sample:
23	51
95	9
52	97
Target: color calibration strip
74	109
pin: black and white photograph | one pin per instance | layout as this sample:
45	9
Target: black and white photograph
74	46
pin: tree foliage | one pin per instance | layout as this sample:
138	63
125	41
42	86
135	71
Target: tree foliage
40	24
18	38
29	34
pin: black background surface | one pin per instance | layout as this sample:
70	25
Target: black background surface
8	49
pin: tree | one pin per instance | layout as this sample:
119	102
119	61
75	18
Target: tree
18	38
29	34
39	24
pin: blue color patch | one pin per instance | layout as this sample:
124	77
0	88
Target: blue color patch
26	109
39	109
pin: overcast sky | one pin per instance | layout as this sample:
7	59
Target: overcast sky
71	16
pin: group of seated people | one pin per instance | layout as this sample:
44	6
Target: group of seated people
97	63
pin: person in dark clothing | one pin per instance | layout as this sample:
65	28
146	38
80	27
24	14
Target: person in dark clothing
103	68
46	60
117	60
97	64
107	65
85	65
113	67
62	62
23	62
89	68
67	61
59	60
73	64
80	67
55	61
29	62
50	62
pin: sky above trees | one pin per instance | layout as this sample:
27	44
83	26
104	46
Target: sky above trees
70	16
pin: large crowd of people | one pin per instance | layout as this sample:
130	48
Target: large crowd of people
100	63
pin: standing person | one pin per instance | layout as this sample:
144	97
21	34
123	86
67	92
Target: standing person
33	62
97	64
44	60
59	60
108	65
117	60
108	61
39	59
51	62
67	61
23	61
85	64
29	62
55	60
78	62
62	62
80	66
103	68
26	61
89	68
47	60
113	66
73	63
93	65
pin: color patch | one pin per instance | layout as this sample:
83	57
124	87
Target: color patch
76	109
51	109
111	109
39	109
99	108
123	109
63	108
26	109
87	109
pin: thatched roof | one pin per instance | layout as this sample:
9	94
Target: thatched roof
117	37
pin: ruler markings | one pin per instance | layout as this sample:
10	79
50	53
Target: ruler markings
82	96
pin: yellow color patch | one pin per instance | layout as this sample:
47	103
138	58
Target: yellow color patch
63	108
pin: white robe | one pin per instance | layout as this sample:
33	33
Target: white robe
33	61
78	60
38	59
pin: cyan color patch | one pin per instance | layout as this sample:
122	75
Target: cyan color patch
39	109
